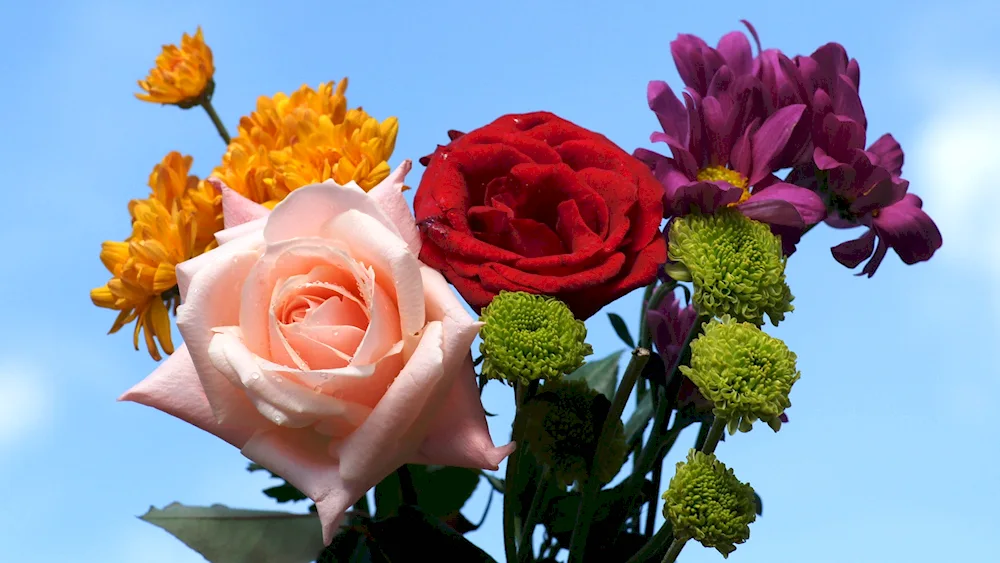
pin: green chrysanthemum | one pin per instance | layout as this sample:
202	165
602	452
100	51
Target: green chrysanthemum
746	373
707	503
562	425
736	265
528	337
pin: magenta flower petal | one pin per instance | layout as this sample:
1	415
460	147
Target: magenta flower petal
847	102
770	140
908	230
808	206
670	112
854	252
735	49
889	153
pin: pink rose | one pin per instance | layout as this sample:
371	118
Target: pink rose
319	345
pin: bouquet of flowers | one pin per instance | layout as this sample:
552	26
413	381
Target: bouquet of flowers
326	337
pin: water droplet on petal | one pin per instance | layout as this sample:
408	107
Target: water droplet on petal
255	376
278	380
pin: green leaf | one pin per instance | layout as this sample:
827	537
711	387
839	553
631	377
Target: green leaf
285	493
416	536
229	535
441	491
621	329
601	375
496	482
641	416
281	493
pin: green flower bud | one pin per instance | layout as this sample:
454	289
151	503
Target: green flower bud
745	373
736	265
528	337
562	425
707	503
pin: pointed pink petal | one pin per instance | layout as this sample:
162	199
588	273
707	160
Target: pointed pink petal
388	195
302	458
458	434
175	389
237	209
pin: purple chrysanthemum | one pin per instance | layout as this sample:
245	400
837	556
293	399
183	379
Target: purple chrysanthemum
723	151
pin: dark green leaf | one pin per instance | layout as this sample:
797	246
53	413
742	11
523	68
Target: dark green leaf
496	482
416	536
640	418
621	329
560	516
351	545
441	491
601	375
281	493
760	504
285	493
228	535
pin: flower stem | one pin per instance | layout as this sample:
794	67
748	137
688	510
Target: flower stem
578	541
408	492
674	550
210	110
653	502
527	531
714	435
658	544
510	531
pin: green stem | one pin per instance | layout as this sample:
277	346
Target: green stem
408	492
210	110
510	531
578	541
655	546
714	435
674	550
527	531
654	502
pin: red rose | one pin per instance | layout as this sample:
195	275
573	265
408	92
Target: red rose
535	203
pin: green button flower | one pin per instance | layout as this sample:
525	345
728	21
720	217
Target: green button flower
707	503
745	373
735	263
528	337
561	426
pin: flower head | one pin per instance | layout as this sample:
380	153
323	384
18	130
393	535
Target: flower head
182	75
562	426
736	265
142	269
706	502
306	138
698	63
724	154
175	223
745	373
670	325
528	337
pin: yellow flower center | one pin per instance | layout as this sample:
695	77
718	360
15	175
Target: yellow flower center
734	178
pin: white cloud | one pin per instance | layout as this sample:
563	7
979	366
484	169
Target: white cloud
955	162
25	403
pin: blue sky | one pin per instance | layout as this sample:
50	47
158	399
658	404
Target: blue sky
888	456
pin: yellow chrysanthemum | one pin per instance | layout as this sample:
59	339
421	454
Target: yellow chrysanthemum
142	286
172	184
175	223
305	138
182	75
